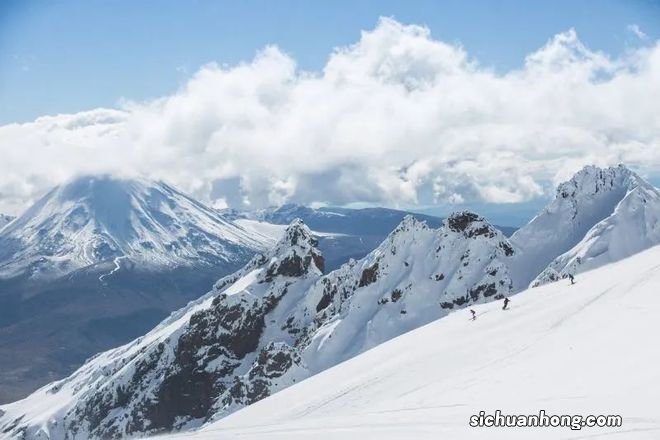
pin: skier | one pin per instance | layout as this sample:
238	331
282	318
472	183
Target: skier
474	314
506	303
572	278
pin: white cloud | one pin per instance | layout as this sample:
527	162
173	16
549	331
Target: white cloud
398	118
635	29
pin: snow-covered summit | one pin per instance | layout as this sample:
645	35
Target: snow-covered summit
632	226
92	219
299	247
580	203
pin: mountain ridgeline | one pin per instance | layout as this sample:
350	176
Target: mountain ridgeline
280	319
276	322
100	260
343	233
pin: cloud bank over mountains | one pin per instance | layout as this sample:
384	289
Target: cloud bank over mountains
397	118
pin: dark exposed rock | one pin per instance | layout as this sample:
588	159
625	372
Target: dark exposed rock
326	299
458	222
484	290
292	266
369	275
506	247
459	301
319	261
484	230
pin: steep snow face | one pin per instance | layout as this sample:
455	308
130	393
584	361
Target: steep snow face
100	218
415	276
588	198
268	326
632	227
5	220
186	368
557	349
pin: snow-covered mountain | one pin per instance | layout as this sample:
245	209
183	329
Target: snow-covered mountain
418	274
269	325
575	350
343	232
95	219
5	219
99	261
599	215
634	225
279	320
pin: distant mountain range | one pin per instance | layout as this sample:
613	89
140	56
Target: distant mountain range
282	318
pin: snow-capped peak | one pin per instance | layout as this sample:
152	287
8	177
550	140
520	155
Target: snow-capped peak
296	253
92	219
632	226
590	197
296	235
591	180
408	227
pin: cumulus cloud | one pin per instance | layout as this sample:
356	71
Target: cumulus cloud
397	119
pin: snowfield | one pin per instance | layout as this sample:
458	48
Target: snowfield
583	349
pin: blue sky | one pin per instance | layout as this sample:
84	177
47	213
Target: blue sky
67	56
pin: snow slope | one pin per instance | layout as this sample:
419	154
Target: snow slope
582	349
268	326
570	221
94	219
418	274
